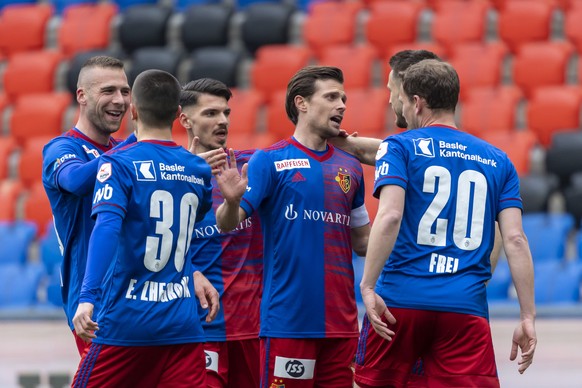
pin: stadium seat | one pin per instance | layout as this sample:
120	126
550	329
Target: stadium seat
244	4
564	104
266	24
50	250
524	21
53	288
37	208
277	121
535	191
220	63
77	61
244	116
573	200
86	27
458	22
206	25
184	5
30	160
7	147
15	240
143	25
547	234
19	285
498	286
31	72
557	283
351	7
23	27
490	109
275	65
541	64
563	157
147	58
39	115
392	23
126	4
517	144
355	62
478	65
366	111
10	192
327	29
61	6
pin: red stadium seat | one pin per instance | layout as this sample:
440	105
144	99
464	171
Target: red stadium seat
524	21
326	7
278	123
30	160
554	109
86	27
490	109
37	208
7	147
541	64
39	115
245	107
10	191
517	144
31	72
457	22
366	111
275	65
355	62
23	26
324	29
392	23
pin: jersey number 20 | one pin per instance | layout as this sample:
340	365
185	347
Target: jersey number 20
162	242
469	182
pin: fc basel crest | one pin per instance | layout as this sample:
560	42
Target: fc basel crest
344	180
277	384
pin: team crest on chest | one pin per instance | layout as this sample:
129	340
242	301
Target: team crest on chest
278	383
344	180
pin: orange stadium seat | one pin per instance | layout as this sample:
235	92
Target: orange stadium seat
30	160
275	65
490	109
86	27
23	27
10	191
39	115
322	30
37	208
541	64
517	144
366	111
277	121
245	106
573	27
31	72
7	147
524	21
392	23
478	64
355	62
554	109
457	22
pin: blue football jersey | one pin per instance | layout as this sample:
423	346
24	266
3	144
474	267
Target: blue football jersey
233	263
456	184
160	190
307	203
71	211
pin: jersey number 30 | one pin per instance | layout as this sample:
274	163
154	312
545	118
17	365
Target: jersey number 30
162	207
467	208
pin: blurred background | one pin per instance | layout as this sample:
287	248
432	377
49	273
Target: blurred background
520	70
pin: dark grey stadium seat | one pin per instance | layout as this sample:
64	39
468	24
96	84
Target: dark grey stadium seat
220	63
564	157
161	58
535	191
266	23
143	25
206	25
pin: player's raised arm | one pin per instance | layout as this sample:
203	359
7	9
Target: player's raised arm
233	186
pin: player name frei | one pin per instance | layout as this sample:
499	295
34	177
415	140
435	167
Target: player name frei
288	164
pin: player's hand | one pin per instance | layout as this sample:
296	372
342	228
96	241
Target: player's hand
207	295
85	327
524	338
232	184
215	158
376	308
344	133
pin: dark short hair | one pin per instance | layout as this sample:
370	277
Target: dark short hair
435	81
103	61
193	89
402	60
156	96
303	84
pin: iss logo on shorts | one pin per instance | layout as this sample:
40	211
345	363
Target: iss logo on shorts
211	360
294	368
